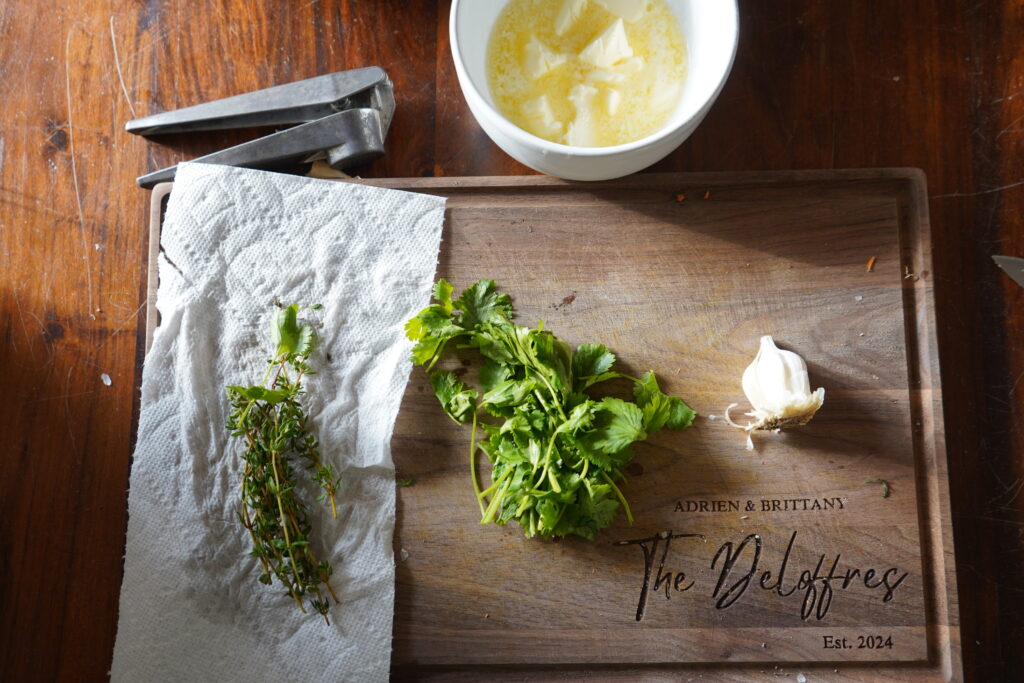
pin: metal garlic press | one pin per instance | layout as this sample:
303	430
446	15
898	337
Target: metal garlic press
343	119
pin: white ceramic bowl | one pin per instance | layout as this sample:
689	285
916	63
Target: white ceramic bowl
711	31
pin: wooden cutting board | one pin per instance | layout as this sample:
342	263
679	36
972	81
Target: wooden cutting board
782	560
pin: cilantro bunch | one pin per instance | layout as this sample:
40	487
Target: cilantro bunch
556	453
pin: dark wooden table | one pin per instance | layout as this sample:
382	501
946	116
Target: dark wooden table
933	84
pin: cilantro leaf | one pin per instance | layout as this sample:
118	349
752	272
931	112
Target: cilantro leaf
590	360
548	510
443	294
646	389
660	409
496	342
431	329
508	393
511	454
554	359
425	350
619	423
457	400
434	321
481	304
598	503
493	373
533	453
652	402
580	418
680	415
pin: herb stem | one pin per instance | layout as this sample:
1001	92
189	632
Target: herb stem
495	505
284	525
490	489
437	355
523	503
472	466
559	517
247	523
547	463
270	366
554	394
618	493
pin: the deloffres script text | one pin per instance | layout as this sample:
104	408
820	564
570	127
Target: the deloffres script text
741	566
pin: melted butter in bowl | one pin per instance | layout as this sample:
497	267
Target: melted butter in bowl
587	73
693	70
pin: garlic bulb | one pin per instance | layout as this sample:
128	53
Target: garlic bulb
777	386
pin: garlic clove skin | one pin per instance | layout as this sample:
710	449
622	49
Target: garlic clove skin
779	389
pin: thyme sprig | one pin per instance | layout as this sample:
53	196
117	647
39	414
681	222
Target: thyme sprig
271	422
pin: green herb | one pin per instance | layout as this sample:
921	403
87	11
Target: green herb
269	420
886	489
557	454
406	482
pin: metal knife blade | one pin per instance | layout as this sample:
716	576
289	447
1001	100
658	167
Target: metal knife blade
1013	266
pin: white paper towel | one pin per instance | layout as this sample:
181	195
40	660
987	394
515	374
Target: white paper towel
234	241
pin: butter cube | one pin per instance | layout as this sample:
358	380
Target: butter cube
542	119
618	74
608	48
568	13
582	130
612	98
628	10
540	59
583	96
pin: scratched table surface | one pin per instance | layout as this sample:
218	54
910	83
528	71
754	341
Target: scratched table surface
933	84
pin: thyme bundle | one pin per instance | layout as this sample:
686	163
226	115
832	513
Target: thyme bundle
273	426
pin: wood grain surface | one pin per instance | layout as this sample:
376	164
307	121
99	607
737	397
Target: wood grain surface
936	85
687	287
